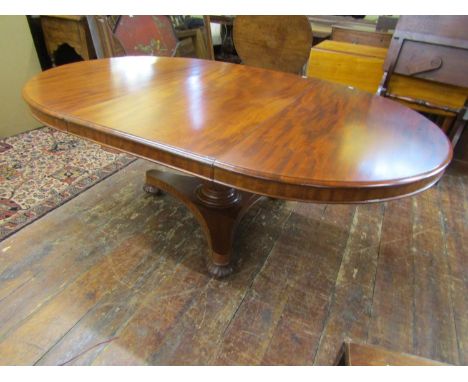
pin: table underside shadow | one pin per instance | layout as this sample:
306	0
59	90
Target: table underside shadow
217	208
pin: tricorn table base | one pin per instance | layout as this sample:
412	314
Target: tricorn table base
217	208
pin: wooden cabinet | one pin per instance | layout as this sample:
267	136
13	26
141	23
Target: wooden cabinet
70	30
356	354
434	48
362	67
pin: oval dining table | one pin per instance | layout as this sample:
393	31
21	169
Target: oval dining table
239	133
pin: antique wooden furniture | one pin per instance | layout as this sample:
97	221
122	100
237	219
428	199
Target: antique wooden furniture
105	43
71	30
242	132
323	24
362	66
273	42
431	48
208	37
356	354
151	35
359	66
363	37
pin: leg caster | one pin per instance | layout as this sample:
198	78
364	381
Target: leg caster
152	190
218	271
217	208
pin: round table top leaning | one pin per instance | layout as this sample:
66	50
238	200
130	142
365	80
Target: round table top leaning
273	42
263	131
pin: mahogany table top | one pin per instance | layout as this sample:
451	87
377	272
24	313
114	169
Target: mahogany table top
259	130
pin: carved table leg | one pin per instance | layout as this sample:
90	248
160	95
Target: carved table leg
217	208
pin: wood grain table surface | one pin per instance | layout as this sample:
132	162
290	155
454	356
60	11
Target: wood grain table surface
257	130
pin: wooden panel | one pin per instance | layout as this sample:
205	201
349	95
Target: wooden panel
450	27
360	50
355	354
322	24
363	72
353	36
273	42
440	94
362	67
453	62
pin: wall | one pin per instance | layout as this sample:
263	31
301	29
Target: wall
18	63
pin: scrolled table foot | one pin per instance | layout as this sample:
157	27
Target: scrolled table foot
218	271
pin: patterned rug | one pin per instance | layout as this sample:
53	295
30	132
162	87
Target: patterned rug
44	168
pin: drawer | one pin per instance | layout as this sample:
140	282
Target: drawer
433	62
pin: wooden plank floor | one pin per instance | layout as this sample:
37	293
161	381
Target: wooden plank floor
116	277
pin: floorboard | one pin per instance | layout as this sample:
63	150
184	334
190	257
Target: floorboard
117	277
392	310
350	309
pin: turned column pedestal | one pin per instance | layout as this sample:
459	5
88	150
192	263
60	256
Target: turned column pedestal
217	208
